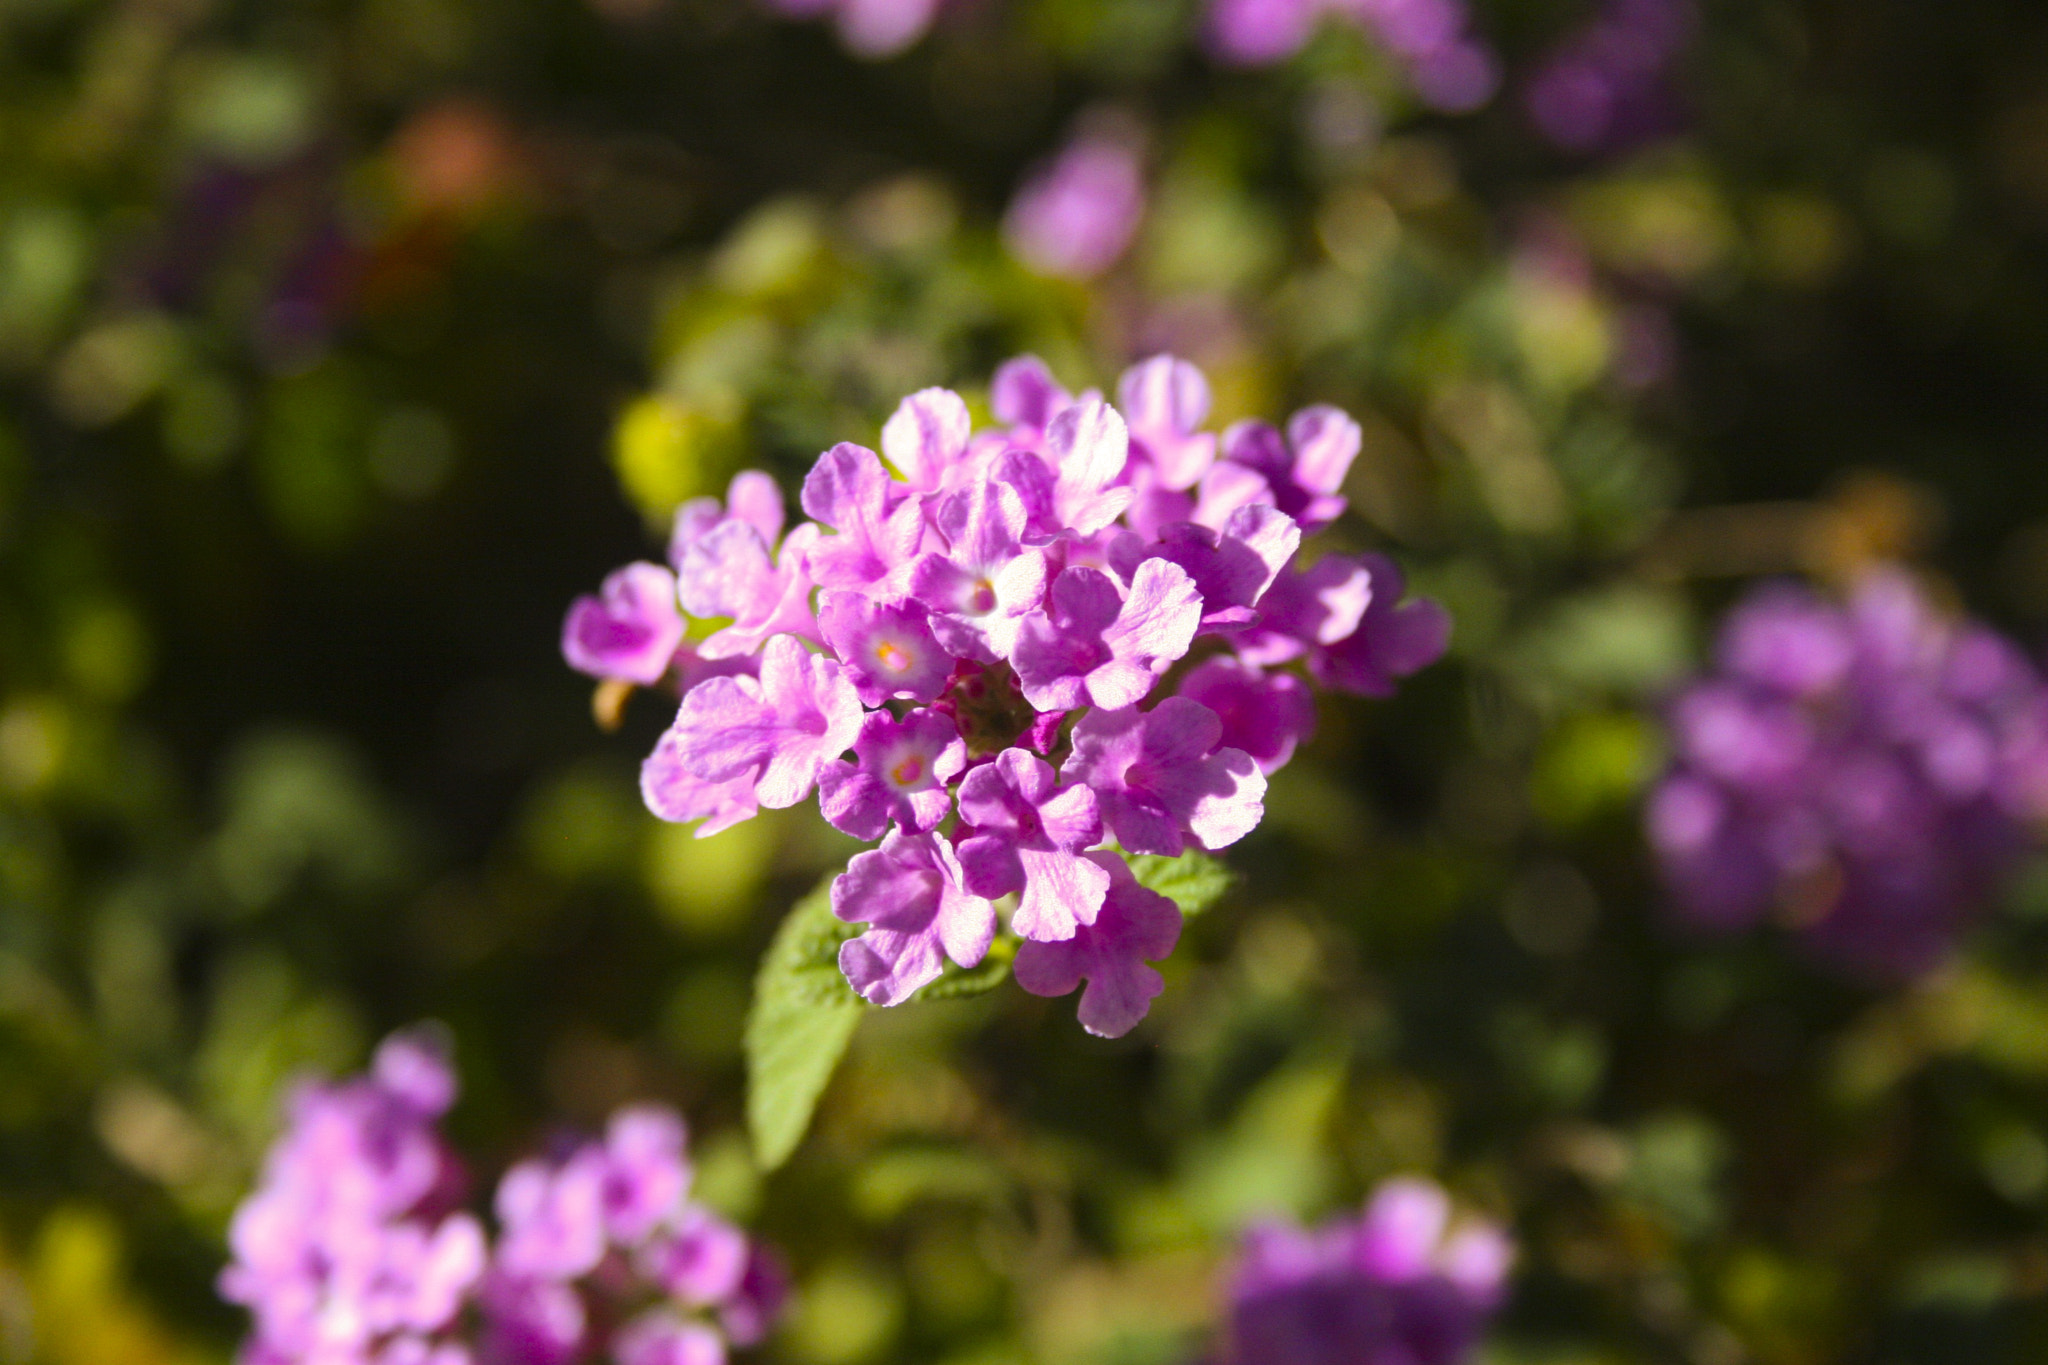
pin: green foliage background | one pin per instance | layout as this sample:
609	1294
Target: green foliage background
331	332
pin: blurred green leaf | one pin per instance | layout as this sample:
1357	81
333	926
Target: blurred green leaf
801	1020
1194	881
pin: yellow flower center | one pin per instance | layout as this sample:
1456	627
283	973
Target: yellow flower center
893	656
907	772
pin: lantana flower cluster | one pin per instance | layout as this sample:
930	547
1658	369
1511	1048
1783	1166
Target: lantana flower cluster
1866	772
355	1248
1403	1283
1011	656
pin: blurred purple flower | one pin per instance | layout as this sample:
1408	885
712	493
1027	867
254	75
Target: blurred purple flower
1609	86
350	1248
1399	1285
873	29
1449	69
1869	772
1075	216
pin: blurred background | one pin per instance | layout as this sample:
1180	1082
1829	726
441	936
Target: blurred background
343	342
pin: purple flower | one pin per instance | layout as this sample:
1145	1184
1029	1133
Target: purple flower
1873	768
1260	32
1096	646
1264	714
889	651
799	715
1231	568
760	1299
703	1261
926	438
724	568
1024	395
532	1322
1028	586
1609	86
1165	400
646	1172
630	631
1076	215
1304	469
1399	1283
1134	926
349	1247
552	1217
350	1253
1308	609
1029	834
1087	446
1393	639
1449	70
849	491
675	793
663	1338
752	497
1160	774
981	586
902	774
910	893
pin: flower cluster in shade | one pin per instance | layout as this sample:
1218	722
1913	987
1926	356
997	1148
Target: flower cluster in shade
1865	771
1403	1283
355	1248
1449	68
1011	655
872	29
1608	86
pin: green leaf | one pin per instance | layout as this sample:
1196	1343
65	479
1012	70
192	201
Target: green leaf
958	983
1194	881
802	1017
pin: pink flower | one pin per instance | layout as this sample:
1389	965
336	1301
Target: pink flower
799	715
630	631
1160	774
1264	714
1029	834
879	533
902	774
1096	646
889	651
1135	926
910	893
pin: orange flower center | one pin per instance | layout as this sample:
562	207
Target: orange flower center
893	656
908	771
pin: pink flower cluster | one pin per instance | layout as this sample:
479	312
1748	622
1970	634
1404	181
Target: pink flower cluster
354	1249
1001	650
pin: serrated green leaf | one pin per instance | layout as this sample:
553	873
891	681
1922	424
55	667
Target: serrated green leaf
1194	881
959	983
799	1024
